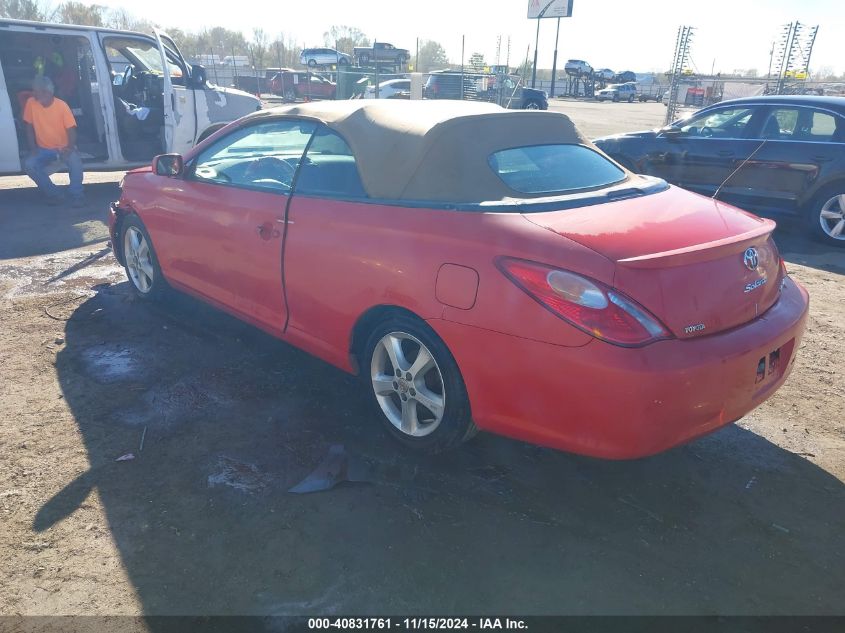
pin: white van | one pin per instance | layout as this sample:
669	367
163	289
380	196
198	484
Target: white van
133	95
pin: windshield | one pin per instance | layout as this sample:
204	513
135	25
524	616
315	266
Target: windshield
554	168
143	53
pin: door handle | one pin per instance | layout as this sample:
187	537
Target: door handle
822	159
725	153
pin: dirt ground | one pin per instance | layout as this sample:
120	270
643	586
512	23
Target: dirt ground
750	520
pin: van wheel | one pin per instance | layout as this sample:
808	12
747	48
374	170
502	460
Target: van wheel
290	95
826	219
416	387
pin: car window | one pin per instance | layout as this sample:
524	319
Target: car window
262	156
819	127
554	168
144	55
722	123
329	168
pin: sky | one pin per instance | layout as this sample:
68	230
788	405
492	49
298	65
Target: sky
636	35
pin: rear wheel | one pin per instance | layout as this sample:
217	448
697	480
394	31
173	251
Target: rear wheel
532	104
416	386
290	95
343	62
140	260
312	63
827	216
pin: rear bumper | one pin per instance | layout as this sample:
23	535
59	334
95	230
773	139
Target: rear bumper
621	403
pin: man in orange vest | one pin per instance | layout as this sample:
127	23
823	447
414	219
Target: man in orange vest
51	131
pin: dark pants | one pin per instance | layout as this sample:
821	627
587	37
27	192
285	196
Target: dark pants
37	165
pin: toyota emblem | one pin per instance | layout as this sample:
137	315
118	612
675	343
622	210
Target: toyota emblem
751	259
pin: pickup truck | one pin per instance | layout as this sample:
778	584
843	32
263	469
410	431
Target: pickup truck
381	52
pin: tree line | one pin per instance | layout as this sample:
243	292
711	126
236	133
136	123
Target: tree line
262	48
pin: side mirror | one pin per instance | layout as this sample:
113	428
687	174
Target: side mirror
169	165
672	132
117	80
198	76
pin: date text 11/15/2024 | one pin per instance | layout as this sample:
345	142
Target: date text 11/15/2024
418	624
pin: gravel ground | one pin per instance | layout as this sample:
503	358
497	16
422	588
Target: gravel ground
749	520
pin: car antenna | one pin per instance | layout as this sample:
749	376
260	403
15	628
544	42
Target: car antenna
741	165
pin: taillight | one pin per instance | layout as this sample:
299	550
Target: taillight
585	303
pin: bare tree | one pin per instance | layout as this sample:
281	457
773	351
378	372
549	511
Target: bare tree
432	57
345	38
22	10
72	12
258	48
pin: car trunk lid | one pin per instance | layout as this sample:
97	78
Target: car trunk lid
699	265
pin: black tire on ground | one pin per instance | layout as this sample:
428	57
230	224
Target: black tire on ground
312	63
615	98
532	104
290	95
132	228
456	425
342	61
827	199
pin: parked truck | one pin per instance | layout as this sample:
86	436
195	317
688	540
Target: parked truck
382	53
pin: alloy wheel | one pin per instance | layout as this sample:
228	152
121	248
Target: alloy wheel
832	217
139	262
408	384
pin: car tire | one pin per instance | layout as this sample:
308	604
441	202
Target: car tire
343	62
364	59
532	104
402	397
290	95
616	99
631	99
826	217
140	260
312	63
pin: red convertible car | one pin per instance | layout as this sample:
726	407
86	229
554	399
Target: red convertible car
478	268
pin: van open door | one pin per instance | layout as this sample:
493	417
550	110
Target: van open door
180	125
10	161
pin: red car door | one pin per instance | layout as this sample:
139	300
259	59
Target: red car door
227	220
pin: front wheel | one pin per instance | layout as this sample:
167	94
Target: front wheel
416	386
827	216
532	105
140	260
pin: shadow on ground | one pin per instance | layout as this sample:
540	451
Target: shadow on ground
232	418
31	227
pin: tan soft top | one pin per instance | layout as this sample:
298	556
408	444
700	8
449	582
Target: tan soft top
435	150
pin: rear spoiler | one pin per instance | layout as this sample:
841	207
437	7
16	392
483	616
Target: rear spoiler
700	252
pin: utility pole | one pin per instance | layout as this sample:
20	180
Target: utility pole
536	43
554	61
463	45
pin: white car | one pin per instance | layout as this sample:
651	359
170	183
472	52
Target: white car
313	57
386	89
618	92
577	67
